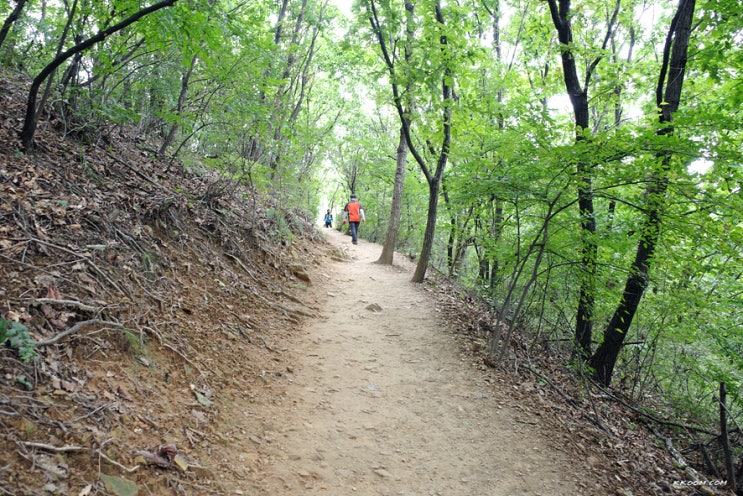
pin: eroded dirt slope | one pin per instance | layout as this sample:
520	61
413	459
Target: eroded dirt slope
156	297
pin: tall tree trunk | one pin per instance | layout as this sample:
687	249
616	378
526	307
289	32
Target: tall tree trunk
185	80
579	101
433	179
31	118
11	19
672	72
390	240
561	15
393	226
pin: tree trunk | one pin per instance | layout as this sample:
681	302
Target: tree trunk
561	15
31	118
11	19
434	181
388	249
390	241
451	242
72	69
185	80
428	237
677	44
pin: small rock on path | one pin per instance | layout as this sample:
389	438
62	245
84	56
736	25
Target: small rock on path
381	403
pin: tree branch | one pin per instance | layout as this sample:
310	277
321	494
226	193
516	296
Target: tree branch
29	124
76	328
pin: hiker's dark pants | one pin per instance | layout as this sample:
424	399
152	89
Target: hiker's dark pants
354	230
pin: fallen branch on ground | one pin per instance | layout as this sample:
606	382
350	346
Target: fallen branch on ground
76	328
49	447
68	449
71	303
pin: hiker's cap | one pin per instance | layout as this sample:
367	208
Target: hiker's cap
353	197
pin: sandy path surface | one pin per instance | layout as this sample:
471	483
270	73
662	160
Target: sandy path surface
381	402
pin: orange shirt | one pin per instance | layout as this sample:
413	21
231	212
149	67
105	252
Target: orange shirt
353	208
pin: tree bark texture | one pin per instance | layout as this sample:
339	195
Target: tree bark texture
589	251
388	249
672	72
11	19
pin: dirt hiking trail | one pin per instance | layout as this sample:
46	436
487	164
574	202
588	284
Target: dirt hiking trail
381	403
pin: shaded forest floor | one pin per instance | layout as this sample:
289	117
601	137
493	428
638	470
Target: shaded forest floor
175	314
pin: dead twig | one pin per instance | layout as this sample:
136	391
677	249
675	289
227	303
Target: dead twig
651	417
572	402
88	260
55	301
68	448
114	462
132	169
677	456
76	328
175	350
289	297
92	412
43	270
239	262
56	449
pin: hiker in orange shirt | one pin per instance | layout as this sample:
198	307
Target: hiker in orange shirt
354	213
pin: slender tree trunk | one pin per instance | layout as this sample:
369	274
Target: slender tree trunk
388	249
604	359
579	100
492	265
451	241
185	80
450	245
561	14
390	242
11	19
280	22
434	181
297	83
72	68
434	186
284	90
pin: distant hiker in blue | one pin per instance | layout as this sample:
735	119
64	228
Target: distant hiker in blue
328	219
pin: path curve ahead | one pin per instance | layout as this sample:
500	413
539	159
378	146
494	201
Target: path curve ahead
382	402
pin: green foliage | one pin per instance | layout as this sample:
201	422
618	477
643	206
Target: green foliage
306	116
278	229
16	335
134	342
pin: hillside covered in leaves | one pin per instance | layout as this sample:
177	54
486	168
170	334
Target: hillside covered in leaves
135	294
